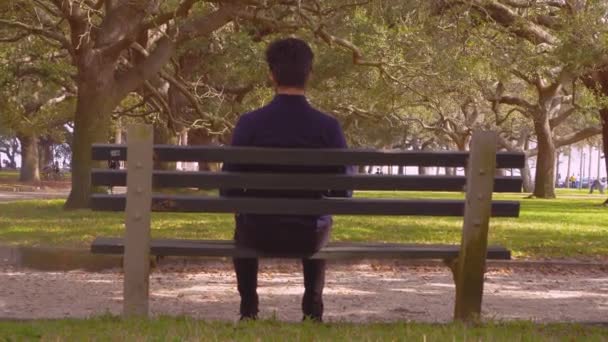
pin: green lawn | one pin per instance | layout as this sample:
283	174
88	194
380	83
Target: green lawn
573	226
11	178
8	176
180	329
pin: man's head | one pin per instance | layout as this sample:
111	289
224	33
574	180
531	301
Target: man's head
290	62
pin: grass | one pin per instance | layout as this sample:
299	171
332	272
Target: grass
572	226
9	176
184	329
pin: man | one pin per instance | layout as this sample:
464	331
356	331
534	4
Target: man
288	121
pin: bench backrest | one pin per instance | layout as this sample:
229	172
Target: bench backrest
302	157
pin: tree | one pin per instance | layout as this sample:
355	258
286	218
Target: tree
35	99
567	38
528	36
9	146
99	35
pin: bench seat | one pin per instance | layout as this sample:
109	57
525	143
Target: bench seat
334	250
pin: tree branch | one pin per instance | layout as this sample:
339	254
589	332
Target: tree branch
175	83
182	11
583	134
121	26
205	25
63	40
15	38
79	25
561	117
163	106
184	90
511	20
524	77
135	77
517	101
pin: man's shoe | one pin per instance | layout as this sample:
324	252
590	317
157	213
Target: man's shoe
312	318
248	318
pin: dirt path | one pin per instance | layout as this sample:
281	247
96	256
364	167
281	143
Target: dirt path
356	294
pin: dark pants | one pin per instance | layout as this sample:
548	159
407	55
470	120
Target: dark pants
282	240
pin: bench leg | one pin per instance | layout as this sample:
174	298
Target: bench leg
452	264
473	249
137	221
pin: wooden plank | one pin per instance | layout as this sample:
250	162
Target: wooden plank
218	180
333	251
472	259
137	221
290	206
287	156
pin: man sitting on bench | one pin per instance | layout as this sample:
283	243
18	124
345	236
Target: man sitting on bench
288	121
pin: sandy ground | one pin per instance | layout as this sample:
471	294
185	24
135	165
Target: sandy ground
353	294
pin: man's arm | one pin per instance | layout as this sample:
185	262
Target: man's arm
240	137
337	140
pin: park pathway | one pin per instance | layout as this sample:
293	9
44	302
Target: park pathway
6	196
353	294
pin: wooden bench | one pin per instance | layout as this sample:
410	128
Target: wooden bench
466	260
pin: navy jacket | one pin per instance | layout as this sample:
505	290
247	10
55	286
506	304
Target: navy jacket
288	121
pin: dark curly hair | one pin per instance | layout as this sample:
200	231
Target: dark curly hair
290	61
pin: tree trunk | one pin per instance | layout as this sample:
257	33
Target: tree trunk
201	137
526	176
599	162
544	180
590	166
163	135
401	170
45	147
95	102
417	145
118	131
30	171
450	171
567	181
604	117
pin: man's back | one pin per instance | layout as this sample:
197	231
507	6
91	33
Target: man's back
289	121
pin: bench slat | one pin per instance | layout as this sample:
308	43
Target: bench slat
334	250
284	206
286	156
216	180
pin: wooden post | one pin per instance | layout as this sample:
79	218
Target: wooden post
473	249
137	220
